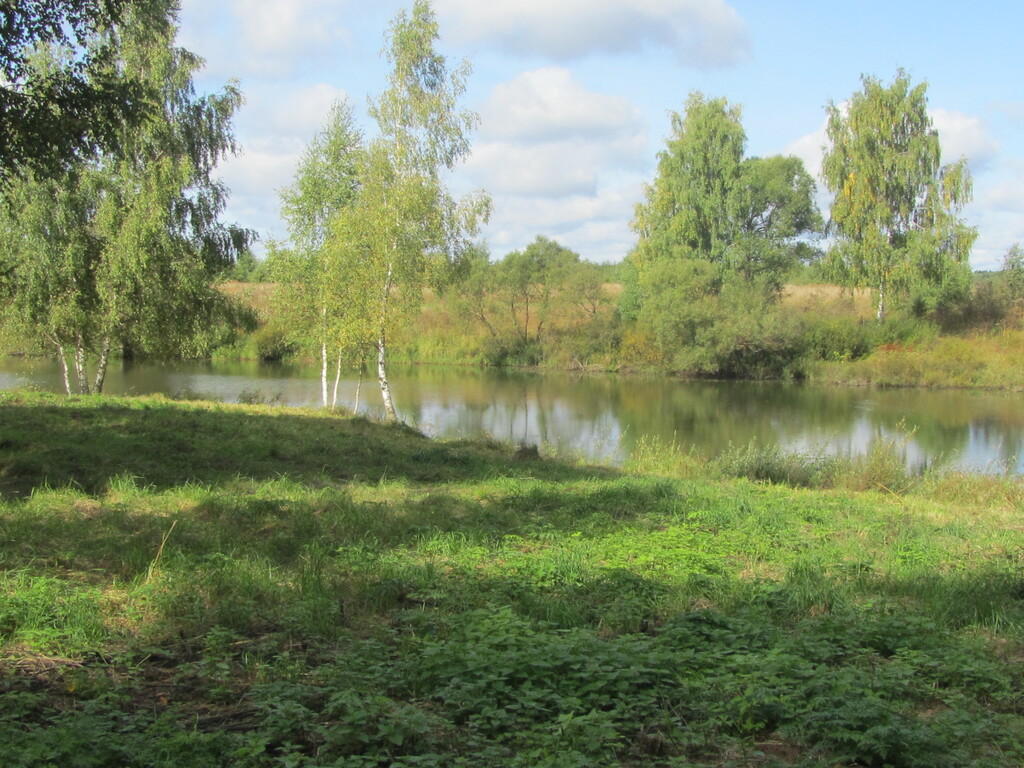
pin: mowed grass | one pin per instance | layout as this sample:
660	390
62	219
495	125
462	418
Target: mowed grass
196	584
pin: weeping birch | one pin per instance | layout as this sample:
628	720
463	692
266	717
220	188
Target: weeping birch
405	229
896	212
122	250
313	290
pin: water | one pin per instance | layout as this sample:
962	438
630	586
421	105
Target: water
601	417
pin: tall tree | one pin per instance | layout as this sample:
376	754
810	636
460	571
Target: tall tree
121	250
405	230
772	208
896	208
313	287
49	117
685	213
745	217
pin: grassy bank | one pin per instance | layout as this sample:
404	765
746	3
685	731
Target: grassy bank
989	360
819	333
187	584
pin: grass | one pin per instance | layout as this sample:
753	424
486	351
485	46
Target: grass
989	360
196	584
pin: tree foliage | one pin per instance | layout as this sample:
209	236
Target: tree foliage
686	211
896	209
80	103
543	299
713	226
121	250
316	298
405	230
708	203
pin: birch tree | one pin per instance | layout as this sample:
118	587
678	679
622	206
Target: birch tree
50	117
896	208
122	250
405	229
314	289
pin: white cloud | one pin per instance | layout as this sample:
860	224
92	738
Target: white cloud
964	136
276	34
279	26
291	112
1004	193
809	148
549	170
595	226
562	161
548	104
702	33
545	134
262	37
254	179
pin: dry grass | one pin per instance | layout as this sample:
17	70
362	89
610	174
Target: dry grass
256	295
828	298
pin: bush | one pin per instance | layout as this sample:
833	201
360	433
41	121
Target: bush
842	338
512	352
273	344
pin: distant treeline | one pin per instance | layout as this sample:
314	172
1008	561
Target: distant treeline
544	306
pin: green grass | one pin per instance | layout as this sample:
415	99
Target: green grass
981	360
190	584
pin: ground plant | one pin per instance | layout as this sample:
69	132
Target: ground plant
201	584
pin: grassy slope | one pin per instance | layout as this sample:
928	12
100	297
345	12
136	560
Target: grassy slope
203	584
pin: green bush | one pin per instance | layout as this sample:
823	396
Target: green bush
273	344
840	337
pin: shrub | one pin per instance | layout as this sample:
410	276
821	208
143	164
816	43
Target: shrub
831	337
273	344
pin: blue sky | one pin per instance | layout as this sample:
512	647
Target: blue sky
574	95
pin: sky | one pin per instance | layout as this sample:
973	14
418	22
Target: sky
575	96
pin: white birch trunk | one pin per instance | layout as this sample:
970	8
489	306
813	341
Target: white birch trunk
880	316
101	367
337	378
382	372
382	378
323	373
359	386
80	373
65	374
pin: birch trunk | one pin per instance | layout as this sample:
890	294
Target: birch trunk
323	373
359	385
80	373
880	316
65	374
337	378
382	378
101	367
382	371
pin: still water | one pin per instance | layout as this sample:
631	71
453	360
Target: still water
602	417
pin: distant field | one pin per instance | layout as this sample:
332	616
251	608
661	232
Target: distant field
803	297
256	295
830	298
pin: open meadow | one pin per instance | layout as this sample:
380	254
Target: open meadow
198	584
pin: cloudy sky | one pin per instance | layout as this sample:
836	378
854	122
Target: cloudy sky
574	95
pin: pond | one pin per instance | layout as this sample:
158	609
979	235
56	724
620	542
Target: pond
602	416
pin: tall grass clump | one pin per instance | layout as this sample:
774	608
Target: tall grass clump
653	455
882	467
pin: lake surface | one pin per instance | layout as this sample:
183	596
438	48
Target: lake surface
603	416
